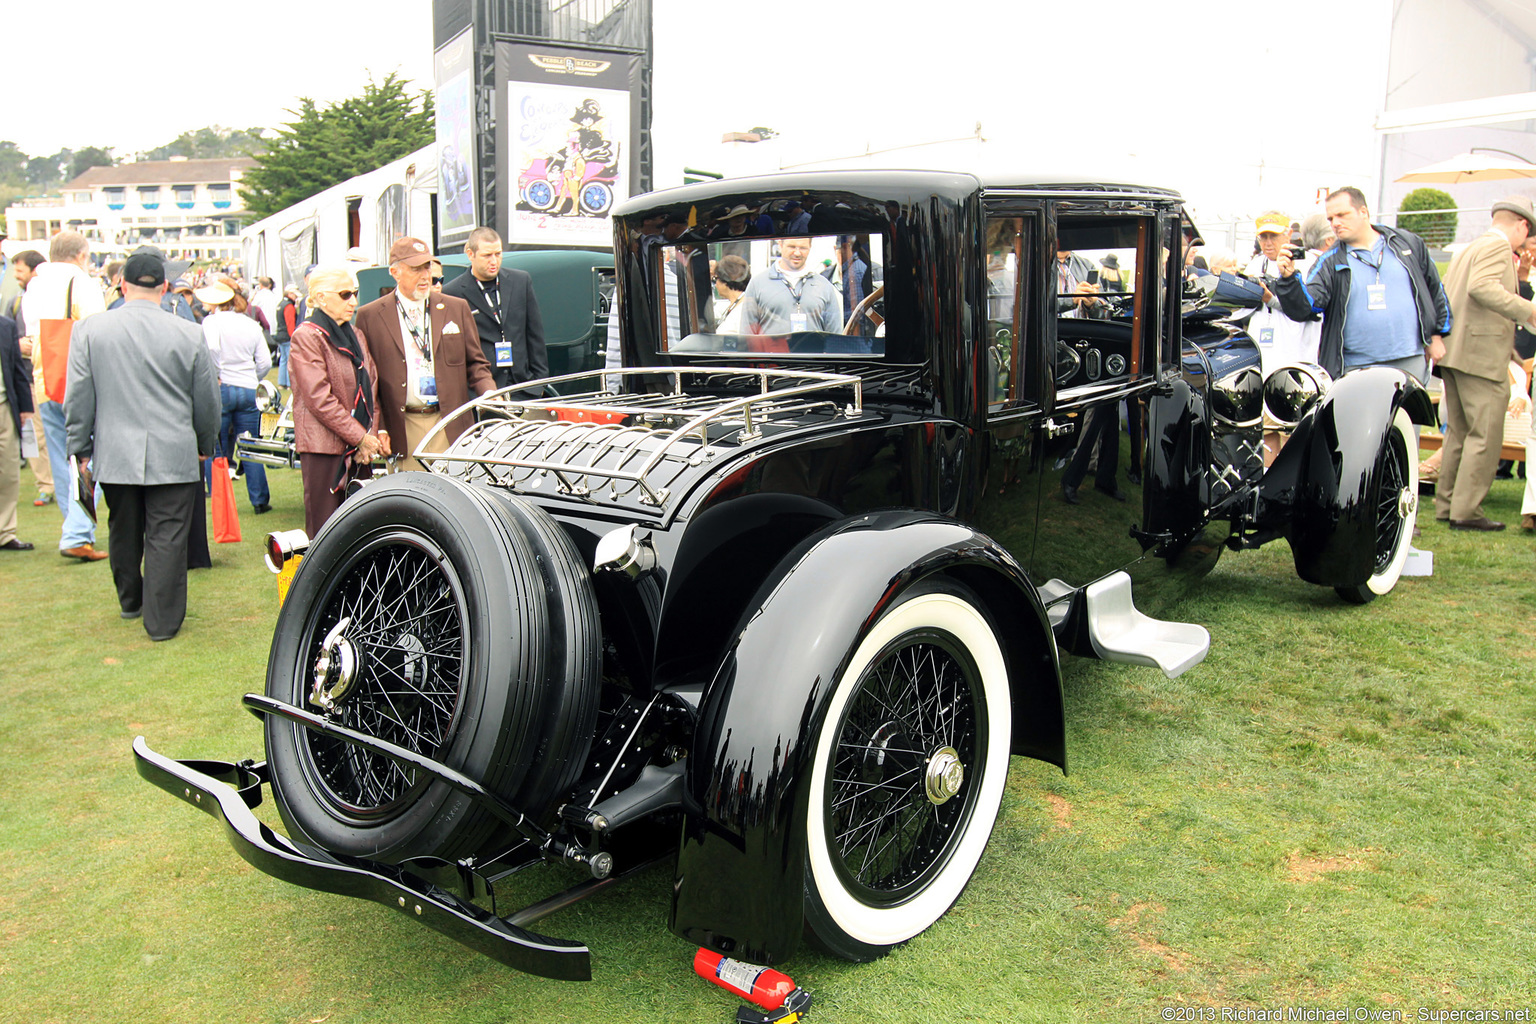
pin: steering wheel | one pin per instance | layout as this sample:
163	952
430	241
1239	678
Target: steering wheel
863	307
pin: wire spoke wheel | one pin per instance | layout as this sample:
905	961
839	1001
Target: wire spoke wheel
913	716
1393	507
907	774
405	618
1392	477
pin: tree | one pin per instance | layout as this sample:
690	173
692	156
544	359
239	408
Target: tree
210	143
1434	228
45	172
327	145
13	163
91	156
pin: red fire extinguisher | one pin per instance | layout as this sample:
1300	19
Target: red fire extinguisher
768	988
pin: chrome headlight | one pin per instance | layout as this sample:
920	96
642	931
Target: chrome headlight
1237	398
1291	391
267	398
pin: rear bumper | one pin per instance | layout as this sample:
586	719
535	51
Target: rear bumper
228	792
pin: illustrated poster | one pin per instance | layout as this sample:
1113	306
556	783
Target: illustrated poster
455	113
568	160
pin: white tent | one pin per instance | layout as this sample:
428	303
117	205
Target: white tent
366	212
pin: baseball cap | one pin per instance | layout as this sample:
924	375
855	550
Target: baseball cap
144	270
412	252
1272	224
173	268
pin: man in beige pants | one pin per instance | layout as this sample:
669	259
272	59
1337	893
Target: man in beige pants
1486	304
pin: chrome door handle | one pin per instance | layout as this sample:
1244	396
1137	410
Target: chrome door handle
1054	429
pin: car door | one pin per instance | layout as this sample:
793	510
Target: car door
1012	373
1102	331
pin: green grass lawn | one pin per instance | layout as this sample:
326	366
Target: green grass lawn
1333	810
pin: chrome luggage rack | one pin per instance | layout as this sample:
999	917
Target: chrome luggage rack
635	444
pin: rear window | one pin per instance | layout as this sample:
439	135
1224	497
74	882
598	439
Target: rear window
794	294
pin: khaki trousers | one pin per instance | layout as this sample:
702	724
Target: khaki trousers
42	469
10	472
1474	408
417	426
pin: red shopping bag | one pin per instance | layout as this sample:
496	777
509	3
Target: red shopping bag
53	348
226	520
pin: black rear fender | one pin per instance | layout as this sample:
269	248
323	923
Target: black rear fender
739	886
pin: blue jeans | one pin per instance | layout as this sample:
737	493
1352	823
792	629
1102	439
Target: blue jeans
78	528
240	415
282	363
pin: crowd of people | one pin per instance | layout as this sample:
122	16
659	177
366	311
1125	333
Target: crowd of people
1343	291
120	384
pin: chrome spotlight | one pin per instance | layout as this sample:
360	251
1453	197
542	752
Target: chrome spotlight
1236	399
1292	390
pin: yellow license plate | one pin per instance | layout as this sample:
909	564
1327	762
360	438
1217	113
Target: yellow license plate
285	578
268	423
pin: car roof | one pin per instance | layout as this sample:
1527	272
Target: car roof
881	184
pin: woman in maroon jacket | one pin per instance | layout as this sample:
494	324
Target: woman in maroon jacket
335	396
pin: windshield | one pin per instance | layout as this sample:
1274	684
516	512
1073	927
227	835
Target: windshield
799	294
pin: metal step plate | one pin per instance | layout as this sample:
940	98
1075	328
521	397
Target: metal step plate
1121	633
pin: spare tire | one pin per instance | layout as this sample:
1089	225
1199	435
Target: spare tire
422	614
574	663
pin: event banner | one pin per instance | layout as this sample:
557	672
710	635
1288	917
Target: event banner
567	139
455	107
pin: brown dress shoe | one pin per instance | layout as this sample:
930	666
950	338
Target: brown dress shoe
85	552
1476	524
1528	523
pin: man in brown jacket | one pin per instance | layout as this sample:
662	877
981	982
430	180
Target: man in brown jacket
427	351
1486	305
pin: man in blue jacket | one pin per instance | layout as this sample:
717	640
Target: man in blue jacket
1377	290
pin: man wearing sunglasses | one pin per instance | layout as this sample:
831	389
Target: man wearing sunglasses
427	352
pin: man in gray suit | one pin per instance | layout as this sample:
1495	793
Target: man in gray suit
143	402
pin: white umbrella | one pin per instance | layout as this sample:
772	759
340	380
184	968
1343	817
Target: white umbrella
1472	167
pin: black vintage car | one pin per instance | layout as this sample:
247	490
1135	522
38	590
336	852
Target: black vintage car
774	603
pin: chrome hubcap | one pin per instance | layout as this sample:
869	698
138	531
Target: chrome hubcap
335	668
944	775
1407	503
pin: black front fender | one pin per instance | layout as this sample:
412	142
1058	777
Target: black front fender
739	887
1320	484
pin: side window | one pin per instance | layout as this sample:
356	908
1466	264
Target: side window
1008	247
1104	271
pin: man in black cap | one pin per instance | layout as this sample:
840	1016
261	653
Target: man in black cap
142	402
173	301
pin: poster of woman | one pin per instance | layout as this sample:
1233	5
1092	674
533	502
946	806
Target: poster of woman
565	156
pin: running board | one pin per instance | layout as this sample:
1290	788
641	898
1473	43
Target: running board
1101	621
1119	632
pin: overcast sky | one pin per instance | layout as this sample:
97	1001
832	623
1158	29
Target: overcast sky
1240	106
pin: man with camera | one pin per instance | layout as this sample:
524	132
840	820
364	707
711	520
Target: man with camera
1377	290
